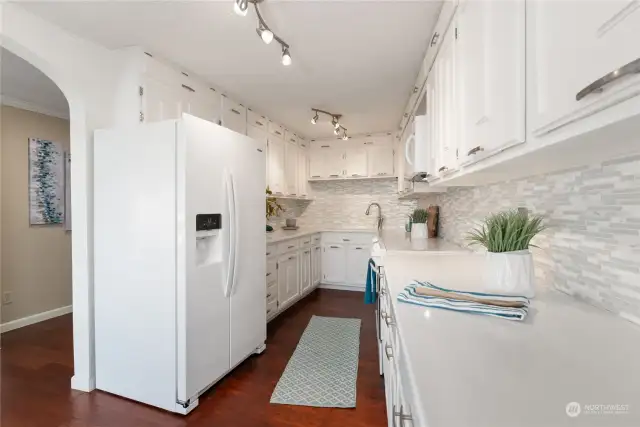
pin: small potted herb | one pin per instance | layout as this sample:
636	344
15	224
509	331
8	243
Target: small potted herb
507	237
419	224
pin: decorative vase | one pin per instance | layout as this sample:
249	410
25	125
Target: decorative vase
418	230
510	273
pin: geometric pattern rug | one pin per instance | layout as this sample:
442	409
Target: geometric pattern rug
324	367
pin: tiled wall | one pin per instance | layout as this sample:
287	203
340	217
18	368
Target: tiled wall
341	205
592	248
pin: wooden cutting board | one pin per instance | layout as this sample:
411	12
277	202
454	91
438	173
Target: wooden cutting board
441	294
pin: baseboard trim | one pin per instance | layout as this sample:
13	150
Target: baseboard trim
36	318
337	287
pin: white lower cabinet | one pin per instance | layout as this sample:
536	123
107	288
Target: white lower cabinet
305	270
357	263
316	265
288	279
334	266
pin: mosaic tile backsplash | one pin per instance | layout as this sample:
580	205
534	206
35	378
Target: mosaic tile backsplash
592	247
341	205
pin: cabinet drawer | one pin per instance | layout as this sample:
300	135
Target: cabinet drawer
272	309
255	119
271	270
306	241
272	250
348	238
288	245
276	129
272	292
290	137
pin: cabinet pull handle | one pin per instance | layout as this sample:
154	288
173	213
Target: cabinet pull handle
368	143
346	240
306	252
268	253
381	173
334	247
268	274
190	89
632	67
403	416
258	123
234	111
355	174
358	249
334	176
475	150
388	320
268	295
388	351
291	257
268	311
291	247
434	39
442	169
278	132
315	176
325	146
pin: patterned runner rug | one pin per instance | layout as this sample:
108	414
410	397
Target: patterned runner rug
324	367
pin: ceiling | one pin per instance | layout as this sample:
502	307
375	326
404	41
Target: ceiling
357	58
24	86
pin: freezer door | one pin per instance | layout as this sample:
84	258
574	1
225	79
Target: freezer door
248	289
203	152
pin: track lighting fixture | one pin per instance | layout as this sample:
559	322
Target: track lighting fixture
335	122
266	34
241	7
286	57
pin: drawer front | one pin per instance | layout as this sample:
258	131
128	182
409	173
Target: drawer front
255	119
272	250
272	292
271	271
272	309
306	241
276	129
348	238
287	246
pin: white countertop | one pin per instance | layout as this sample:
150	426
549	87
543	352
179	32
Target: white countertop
477	371
400	241
279	235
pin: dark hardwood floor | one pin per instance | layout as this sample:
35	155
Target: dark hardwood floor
37	365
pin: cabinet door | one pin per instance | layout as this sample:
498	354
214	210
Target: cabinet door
303	172
162	101
575	44
291	169
334	166
260	134
490	57
275	156
288	279
357	263
432	114
444	69
234	116
316	266
380	160
334	263
305	271
356	162
205	104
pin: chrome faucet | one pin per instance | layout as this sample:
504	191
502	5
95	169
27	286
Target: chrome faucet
380	219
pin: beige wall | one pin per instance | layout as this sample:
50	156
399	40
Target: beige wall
36	260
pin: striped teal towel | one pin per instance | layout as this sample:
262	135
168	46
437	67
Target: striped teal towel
410	296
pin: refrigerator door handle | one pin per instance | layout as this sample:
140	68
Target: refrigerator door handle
233	234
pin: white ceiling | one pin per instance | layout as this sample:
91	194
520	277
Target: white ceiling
357	58
24	86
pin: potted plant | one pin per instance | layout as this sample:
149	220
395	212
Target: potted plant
273	207
507	237
419	224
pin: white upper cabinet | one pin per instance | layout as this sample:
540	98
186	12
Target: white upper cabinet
276	130
276	161
291	168
576	48
204	103
303	171
260	134
234	115
256	120
380	160
161	101
290	137
356	161
490	64
326	161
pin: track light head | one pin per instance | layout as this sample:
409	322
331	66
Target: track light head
286	56
344	136
315	118
241	7
265	34
336	131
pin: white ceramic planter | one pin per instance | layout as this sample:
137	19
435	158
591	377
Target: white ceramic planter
510	273
418	231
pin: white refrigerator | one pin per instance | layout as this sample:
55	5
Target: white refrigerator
179	240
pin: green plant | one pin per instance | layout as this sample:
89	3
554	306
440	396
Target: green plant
419	216
273	207
507	231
